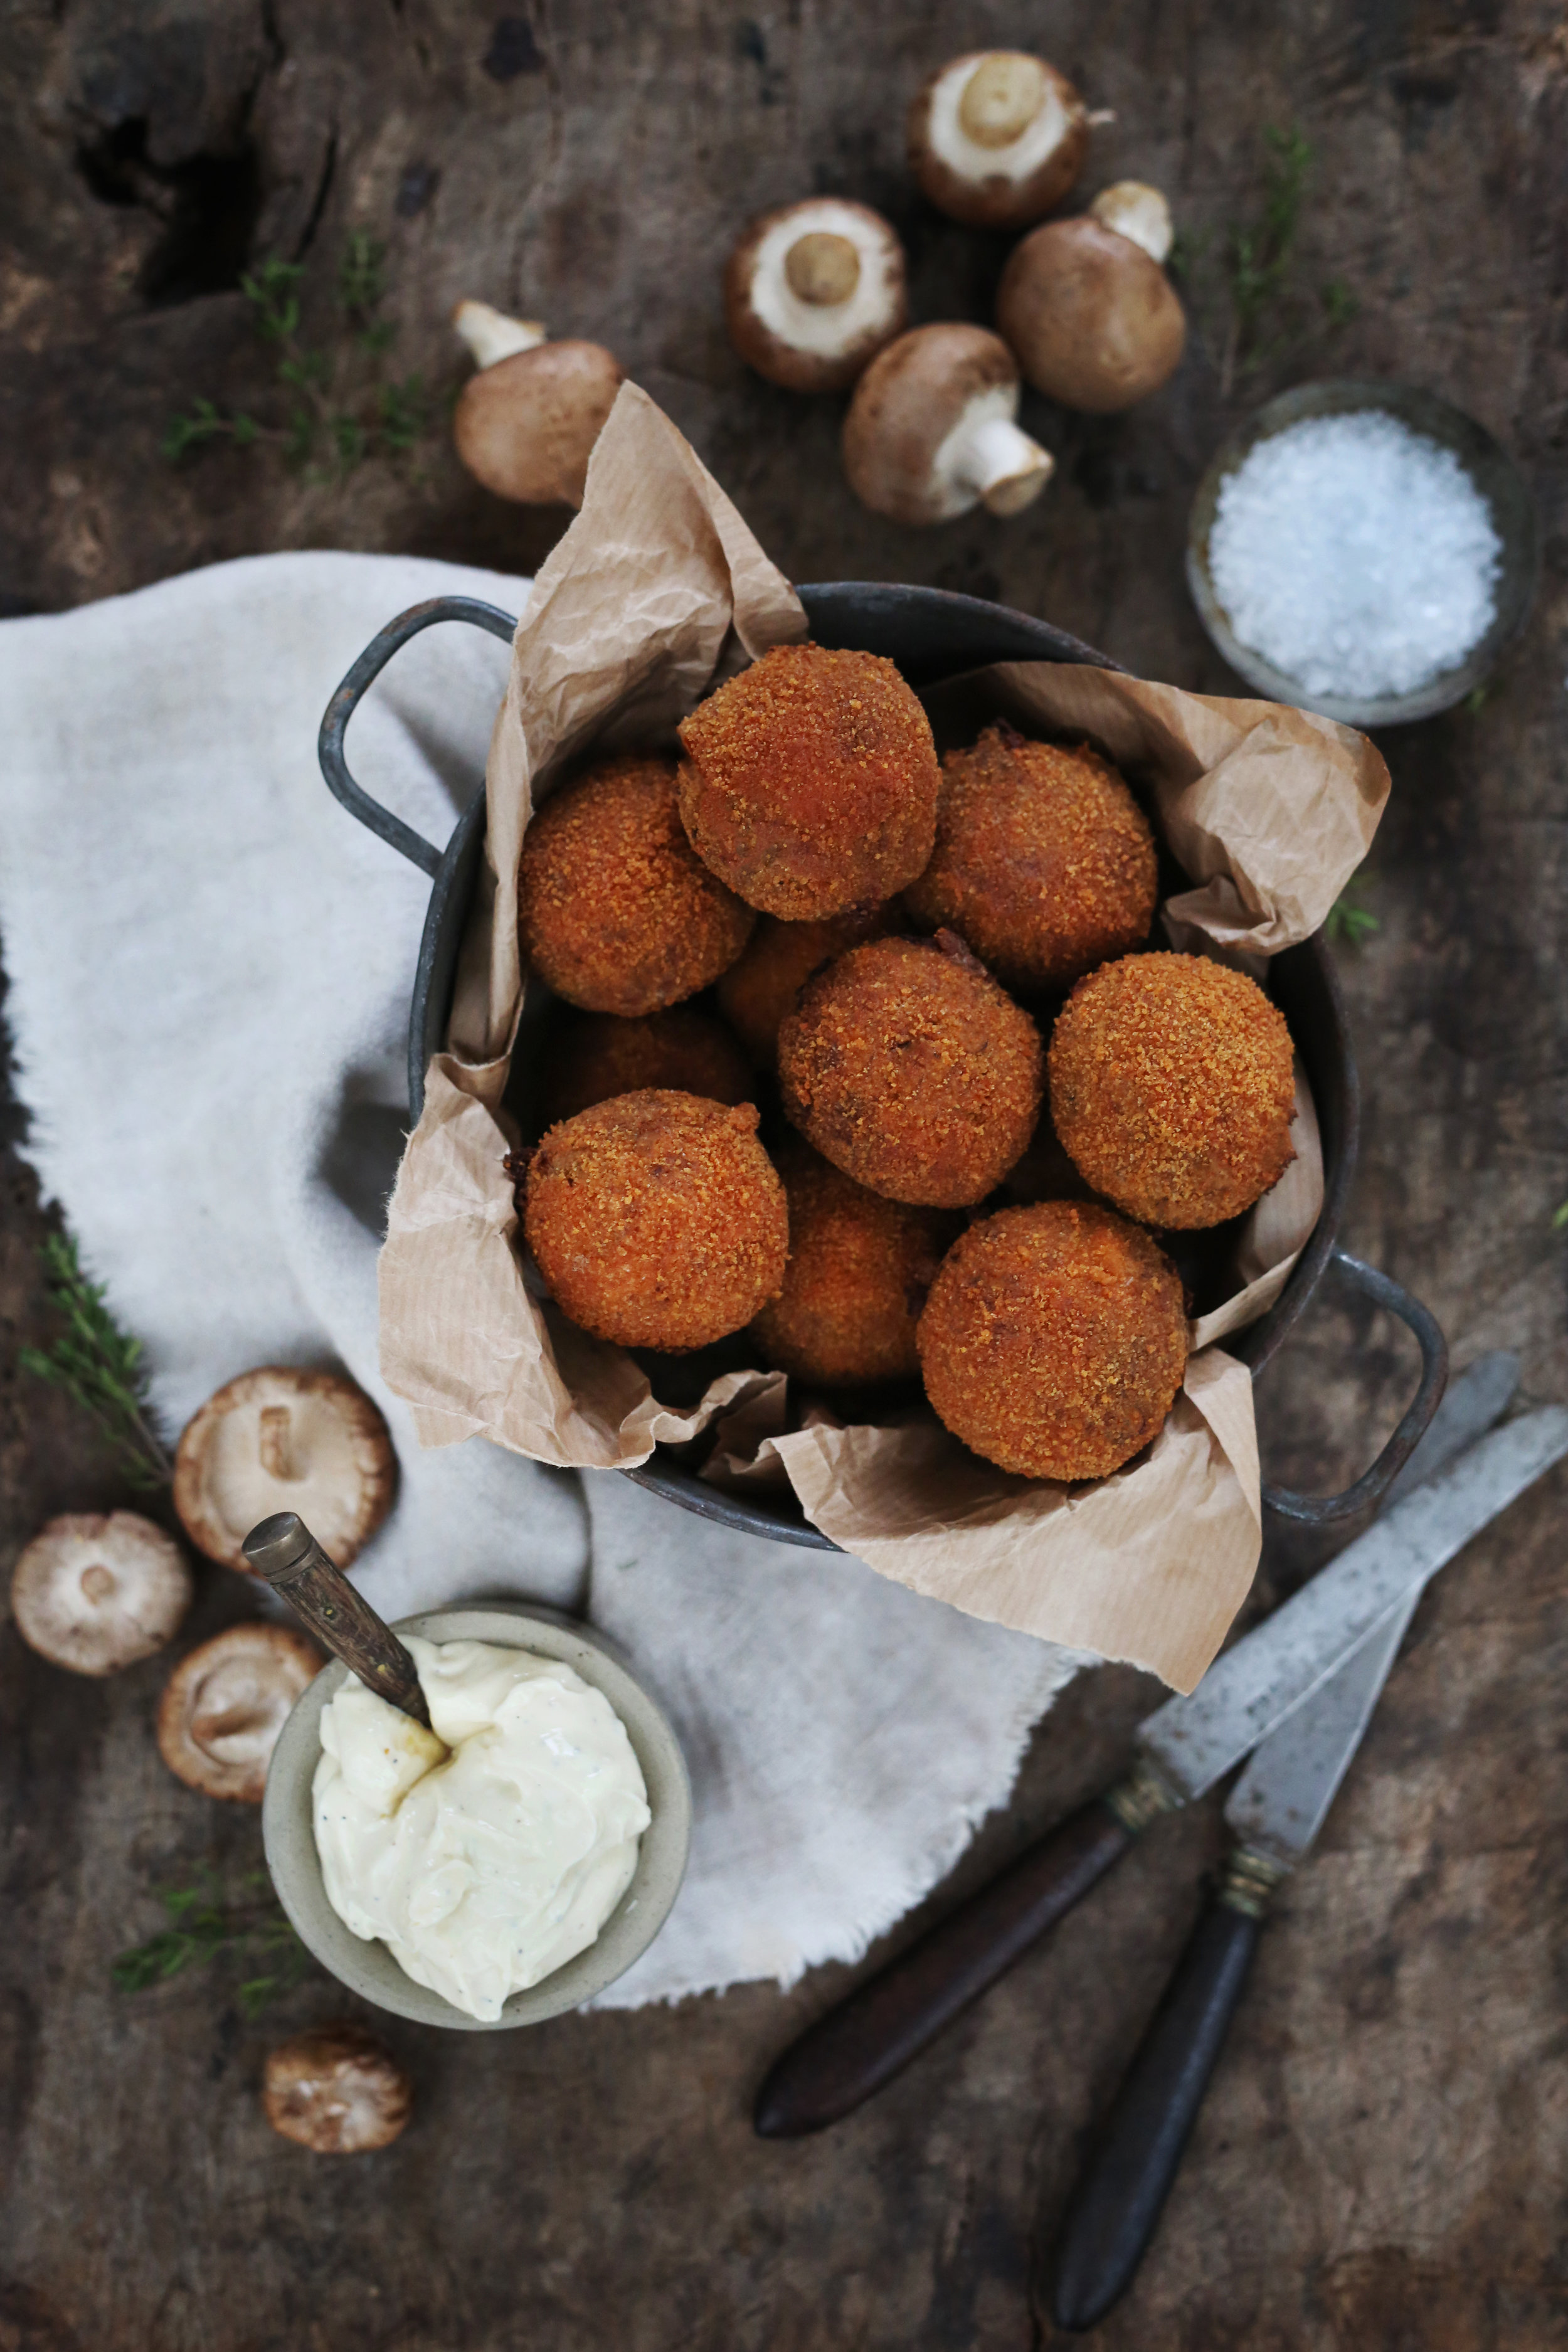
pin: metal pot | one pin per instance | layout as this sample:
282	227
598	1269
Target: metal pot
931	636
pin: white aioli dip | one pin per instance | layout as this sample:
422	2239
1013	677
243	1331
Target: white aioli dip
488	1855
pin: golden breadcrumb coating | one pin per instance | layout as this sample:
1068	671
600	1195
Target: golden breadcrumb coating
657	1220
1054	1341
763	982
859	1267
614	911
592	1056
1044	861
1172	1089
908	1068
809	784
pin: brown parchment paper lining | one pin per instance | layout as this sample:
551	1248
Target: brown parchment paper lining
657	592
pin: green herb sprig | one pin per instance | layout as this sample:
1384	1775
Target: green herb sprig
1348	922
339	407
203	1927
100	1367
1240	281
1261	251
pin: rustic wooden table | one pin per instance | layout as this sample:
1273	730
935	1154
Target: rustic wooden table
1381	2162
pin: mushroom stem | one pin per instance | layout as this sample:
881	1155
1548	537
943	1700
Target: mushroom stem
821	269
276	1456
1136	210
97	1581
1002	465
1001	97
206	1728
490	335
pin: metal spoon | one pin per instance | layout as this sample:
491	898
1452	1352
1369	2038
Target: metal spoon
283	1551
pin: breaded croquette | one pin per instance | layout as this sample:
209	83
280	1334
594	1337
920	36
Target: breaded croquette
809	783
614	911
908	1068
1044	861
1172	1089
1054	1340
859	1267
657	1219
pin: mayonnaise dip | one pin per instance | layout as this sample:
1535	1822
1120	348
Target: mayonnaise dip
488	1855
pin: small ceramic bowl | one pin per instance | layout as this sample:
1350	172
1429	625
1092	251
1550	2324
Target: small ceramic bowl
369	1969
1490	468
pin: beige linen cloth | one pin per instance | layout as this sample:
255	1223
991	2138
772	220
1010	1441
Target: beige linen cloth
657	591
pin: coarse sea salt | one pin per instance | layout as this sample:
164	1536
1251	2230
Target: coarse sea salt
1355	555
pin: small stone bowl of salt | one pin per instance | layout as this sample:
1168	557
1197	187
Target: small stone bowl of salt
1362	550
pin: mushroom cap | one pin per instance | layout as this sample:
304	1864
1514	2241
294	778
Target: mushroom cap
284	1440
225	1705
97	1590
813	291
1094	321
335	2090
999	151
911	411
526	426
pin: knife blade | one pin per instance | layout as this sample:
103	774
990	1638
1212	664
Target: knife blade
1283	1797
1191	1743
857	2046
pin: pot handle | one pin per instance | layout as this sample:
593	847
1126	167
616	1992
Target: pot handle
346	701
1322	1510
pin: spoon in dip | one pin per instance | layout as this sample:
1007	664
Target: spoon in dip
282	1550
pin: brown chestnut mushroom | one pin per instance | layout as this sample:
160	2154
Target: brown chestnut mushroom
814	292
1092	315
224	1707
335	2089
97	1590
996	138
525	426
931	430
282	1440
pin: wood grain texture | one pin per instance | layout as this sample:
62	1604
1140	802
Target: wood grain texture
1381	2157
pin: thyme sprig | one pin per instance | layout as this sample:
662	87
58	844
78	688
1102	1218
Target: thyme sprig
1242	280
99	1366
1347	921
204	1925
1261	251
336	405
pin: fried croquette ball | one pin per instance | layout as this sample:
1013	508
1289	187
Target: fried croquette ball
592	1056
859	1267
1172	1089
809	783
908	1068
1044	861
1054	1340
614	908
778	960
657	1220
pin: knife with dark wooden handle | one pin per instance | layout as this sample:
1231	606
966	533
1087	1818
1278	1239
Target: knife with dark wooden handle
1123	2189
871	2036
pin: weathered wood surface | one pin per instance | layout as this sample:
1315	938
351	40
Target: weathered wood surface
1382	2159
